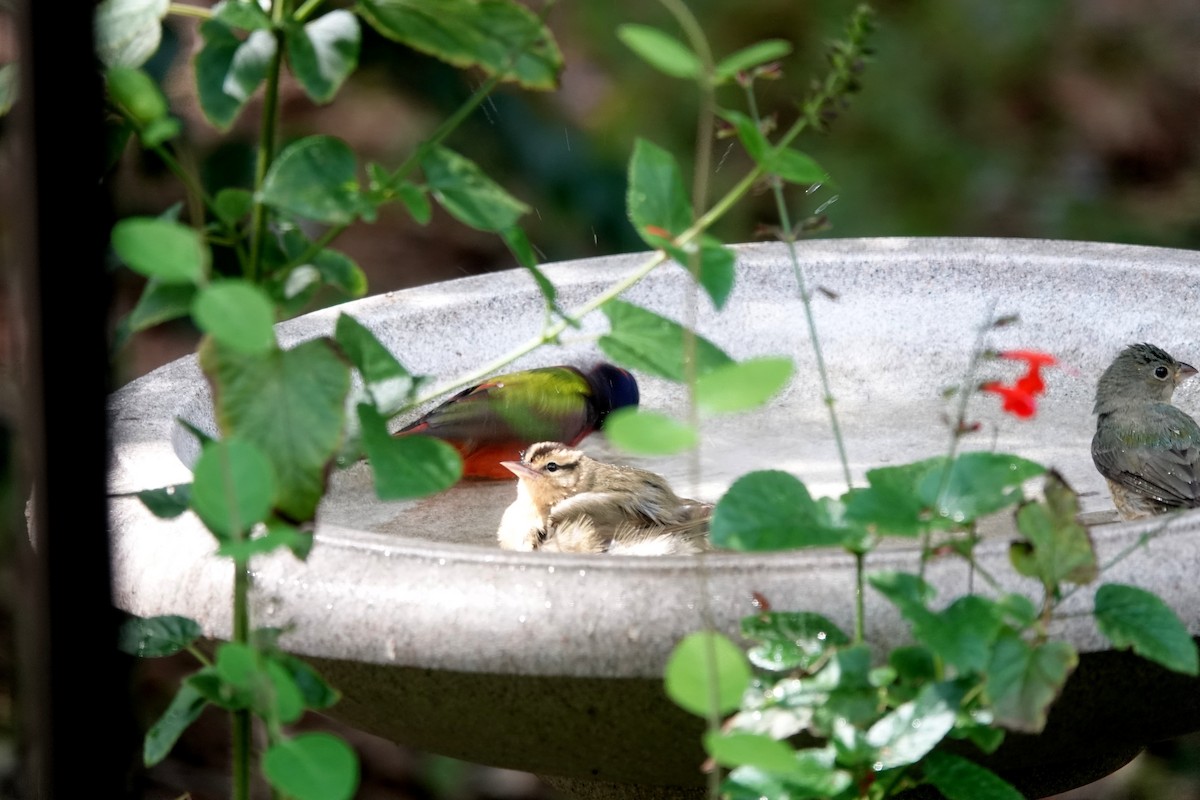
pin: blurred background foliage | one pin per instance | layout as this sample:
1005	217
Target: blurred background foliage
1066	119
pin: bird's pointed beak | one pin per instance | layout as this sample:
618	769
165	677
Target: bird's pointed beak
1185	371
519	468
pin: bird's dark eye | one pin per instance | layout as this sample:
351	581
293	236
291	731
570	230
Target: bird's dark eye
551	467
1161	373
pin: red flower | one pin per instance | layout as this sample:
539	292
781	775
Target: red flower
1031	382
1017	401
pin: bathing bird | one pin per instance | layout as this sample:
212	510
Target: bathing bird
1146	448
494	421
569	502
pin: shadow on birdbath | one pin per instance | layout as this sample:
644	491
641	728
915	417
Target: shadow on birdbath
552	663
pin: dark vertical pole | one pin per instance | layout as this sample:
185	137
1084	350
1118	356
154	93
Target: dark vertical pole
74	687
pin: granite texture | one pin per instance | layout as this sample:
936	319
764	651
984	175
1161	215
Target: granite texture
404	599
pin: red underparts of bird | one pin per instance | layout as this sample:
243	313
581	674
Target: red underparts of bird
495	421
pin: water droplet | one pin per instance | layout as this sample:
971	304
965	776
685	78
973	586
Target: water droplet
441	562
821	636
877	766
521	619
550	570
916	723
548	604
582	572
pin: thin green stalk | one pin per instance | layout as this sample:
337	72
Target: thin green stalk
307	10
789	238
700	178
966	390
268	133
185	10
241	718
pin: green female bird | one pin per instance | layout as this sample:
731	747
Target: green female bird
1147	449
571	503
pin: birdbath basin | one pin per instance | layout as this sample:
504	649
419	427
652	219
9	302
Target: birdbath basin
552	663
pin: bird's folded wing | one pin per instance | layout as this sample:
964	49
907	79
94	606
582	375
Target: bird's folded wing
1170	475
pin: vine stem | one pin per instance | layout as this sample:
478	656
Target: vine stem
964	397
551	332
700	179
268	134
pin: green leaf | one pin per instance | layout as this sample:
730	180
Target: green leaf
815	776
229	70
154	637
907	733
706	667
324	52
979	483
237	665
237	314
661	51
636	430
914	664
316	692
244	14
406	466
962	634
749	134
890	503
716	267
1056	547
390	385
795	167
752	56
743	385
161	249
336	269
959	779
233	204
140	97
161	302
1023	680
460	186
501	37
284	700
642	340
219	691
749	749
185	708
316	178
790	640
168	502
278	534
772	510
416	200
233	487
1133	617
291	404
128	32
312	766
657	196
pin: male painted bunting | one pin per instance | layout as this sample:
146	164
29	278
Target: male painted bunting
571	503
1146	448
496	420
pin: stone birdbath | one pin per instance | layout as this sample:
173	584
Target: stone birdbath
552	663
